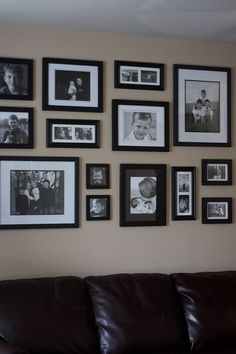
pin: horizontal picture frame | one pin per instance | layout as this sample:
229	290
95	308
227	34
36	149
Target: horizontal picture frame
39	192
97	176
16	128
72	85
140	125
217	172
97	207
138	75
217	210
73	133
202	105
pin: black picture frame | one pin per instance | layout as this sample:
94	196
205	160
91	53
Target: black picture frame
39	192
140	125
72	85
183	192
217	210
142	194
73	133
22	69
216	172
202	105
98	207
138	75
16	128
97	176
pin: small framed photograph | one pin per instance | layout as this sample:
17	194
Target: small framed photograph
202	99
16	128
140	125
97	176
216	210
16	79
216	172
139	76
73	133
142	195
39	192
183	193
72	85
97	207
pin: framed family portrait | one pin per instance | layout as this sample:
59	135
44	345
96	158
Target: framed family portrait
202	99
97	207
140	125
183	193
97	176
16	79
39	192
216	172
138	75
142	194
72	85
216	210
73	133
16	128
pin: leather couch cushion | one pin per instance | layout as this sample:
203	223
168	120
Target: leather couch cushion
209	303
137	313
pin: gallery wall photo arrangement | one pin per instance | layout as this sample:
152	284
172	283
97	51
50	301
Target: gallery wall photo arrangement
97	207
16	79
217	210
39	192
72	85
202	105
217	172
97	175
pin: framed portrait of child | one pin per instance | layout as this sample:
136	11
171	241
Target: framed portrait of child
97	176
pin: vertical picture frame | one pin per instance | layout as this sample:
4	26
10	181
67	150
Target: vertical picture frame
97	176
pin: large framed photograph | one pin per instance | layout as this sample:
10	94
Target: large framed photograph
216	172
16	79
97	207
142	194
72	85
39	192
140	125
138	75
183	193
202	99
16	128
73	133
97	176
217	210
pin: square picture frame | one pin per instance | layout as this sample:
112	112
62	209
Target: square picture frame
183	192
73	133
72	85
202	105
217	210
138	75
16	128
21	88
140	125
97	176
39	192
217	172
97	207
142	194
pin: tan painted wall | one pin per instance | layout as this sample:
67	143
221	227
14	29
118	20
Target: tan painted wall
104	247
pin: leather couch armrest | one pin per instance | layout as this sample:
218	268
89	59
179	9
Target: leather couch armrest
7	348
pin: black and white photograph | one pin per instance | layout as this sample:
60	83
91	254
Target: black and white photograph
97	176
16	79
143	195
97	207
216	172
216	210
72	85
202	105
140	125
16	128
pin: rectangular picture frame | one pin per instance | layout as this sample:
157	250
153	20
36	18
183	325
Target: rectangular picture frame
98	207
72	85
39	192
140	125
97	176
217	172
202	106
217	210
142	194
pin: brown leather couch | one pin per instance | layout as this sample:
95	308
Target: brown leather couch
120	314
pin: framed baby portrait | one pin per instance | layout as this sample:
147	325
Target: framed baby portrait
183	193
140	125
97	176
97	207
72	85
217	210
202	112
216	172
16	128
142	194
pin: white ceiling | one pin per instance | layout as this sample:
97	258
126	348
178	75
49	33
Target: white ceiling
208	20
